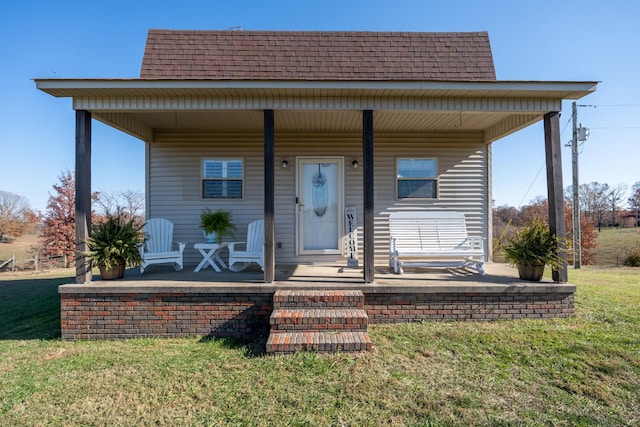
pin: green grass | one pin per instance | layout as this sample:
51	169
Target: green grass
614	244
584	370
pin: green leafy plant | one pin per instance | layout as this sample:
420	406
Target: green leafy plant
116	239
633	259
219	222
533	245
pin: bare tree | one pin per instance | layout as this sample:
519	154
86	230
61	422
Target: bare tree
616	196
594	201
16	216
634	200
133	202
128	202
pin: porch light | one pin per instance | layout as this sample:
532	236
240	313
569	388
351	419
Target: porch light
354	163
285	164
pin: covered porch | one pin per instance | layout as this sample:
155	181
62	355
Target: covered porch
478	111
399	121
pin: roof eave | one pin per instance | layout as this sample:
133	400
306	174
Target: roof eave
114	87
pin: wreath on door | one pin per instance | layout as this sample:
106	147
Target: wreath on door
319	192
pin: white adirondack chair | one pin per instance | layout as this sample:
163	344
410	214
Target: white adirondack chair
159	247
254	248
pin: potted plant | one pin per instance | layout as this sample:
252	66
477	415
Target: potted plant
216	225
115	243
531	249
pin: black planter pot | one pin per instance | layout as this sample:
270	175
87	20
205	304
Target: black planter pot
531	272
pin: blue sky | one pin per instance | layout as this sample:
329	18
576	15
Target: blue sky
569	40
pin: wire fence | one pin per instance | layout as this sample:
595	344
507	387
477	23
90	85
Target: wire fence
37	263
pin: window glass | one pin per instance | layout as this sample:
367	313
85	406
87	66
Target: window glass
416	168
222	178
417	178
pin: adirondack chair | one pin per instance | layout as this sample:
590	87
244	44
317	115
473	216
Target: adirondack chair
159	246
254	248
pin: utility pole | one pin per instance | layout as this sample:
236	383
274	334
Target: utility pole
577	256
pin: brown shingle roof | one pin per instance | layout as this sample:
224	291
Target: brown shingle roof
290	55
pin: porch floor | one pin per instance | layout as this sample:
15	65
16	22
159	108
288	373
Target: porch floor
325	276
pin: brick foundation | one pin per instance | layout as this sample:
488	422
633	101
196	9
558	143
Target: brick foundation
96	311
132	315
394	308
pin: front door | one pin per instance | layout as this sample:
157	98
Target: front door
320	205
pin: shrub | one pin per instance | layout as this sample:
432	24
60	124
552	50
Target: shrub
116	238
633	259
533	245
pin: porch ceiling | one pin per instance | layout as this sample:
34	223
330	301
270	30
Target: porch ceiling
142	107
321	120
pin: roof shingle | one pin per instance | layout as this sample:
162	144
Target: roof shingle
291	55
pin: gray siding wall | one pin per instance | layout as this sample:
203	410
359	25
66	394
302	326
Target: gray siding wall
174	181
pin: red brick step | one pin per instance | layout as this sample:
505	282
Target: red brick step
319	318
318	341
318	298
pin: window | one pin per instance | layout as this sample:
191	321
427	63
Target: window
222	178
417	178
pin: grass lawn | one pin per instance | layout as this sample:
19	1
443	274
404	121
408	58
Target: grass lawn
584	370
614	244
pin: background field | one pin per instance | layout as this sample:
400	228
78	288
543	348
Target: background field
614	244
20	247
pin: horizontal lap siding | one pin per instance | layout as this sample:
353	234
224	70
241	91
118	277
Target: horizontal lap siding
462	180
175	183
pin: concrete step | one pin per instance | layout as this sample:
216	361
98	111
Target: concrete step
318	298
352	319
318	341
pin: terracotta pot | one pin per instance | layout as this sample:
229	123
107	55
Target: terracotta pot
113	271
531	272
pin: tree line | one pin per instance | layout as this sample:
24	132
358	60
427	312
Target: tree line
608	206
600	205
57	223
508	219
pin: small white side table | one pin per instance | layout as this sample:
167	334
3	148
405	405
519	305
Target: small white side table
210	255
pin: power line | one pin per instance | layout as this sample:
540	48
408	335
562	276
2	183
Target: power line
535	178
610	105
615	127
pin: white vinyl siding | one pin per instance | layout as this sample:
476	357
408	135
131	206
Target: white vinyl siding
174	175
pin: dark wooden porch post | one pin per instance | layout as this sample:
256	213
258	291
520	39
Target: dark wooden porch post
555	189
367	185
269	196
83	194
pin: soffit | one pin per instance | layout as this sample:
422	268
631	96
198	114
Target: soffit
291	120
141	107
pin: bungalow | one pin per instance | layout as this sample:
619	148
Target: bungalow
248	121
303	129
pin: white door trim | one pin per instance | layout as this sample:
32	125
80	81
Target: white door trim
301	203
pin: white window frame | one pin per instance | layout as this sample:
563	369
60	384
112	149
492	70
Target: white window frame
434	178
204	178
